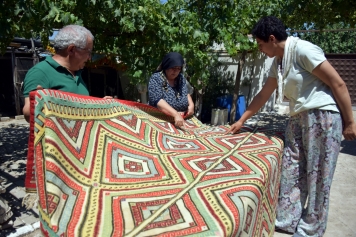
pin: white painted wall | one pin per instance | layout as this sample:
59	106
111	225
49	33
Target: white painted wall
258	77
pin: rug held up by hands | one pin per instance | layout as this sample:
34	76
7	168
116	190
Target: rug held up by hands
119	168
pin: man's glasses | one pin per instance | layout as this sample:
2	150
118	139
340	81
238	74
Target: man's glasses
89	51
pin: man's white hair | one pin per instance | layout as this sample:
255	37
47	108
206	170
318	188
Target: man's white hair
72	35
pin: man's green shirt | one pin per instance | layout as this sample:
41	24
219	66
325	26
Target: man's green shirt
51	75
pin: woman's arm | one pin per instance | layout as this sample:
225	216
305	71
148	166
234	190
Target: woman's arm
167	109
329	76
258	101
190	111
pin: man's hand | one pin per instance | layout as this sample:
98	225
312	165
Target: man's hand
108	97
26	107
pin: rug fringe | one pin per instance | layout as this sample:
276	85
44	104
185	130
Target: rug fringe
29	200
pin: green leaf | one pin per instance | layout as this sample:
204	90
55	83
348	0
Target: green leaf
117	12
65	17
197	33
102	19
57	18
109	4
137	73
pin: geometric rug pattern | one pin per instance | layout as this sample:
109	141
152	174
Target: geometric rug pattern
120	168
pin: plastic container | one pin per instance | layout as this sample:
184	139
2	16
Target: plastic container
226	102
219	116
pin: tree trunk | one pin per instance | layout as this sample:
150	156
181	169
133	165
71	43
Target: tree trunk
252	73
237	86
198	103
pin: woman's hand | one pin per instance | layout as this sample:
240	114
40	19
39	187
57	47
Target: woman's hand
190	111
235	128
178	120
349	131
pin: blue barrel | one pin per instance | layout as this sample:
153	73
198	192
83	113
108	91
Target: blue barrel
226	102
241	107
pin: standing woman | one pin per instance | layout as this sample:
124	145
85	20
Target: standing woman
167	89
320	110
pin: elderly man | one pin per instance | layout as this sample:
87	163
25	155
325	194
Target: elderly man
73	45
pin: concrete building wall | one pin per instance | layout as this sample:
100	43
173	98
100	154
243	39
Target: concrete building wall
254	75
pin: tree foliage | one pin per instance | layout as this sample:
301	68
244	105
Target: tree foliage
320	12
141	32
331	40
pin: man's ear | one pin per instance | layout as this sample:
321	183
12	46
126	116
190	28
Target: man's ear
70	49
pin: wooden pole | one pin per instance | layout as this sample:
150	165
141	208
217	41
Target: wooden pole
14	76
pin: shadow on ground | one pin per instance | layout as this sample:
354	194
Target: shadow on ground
348	147
13	152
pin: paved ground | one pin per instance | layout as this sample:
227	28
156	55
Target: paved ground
13	150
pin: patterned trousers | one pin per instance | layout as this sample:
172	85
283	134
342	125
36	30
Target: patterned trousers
311	149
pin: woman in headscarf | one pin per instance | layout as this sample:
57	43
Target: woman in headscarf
167	89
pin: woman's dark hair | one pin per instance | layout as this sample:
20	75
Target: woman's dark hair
270	25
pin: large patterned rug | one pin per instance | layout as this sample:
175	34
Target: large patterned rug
119	168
